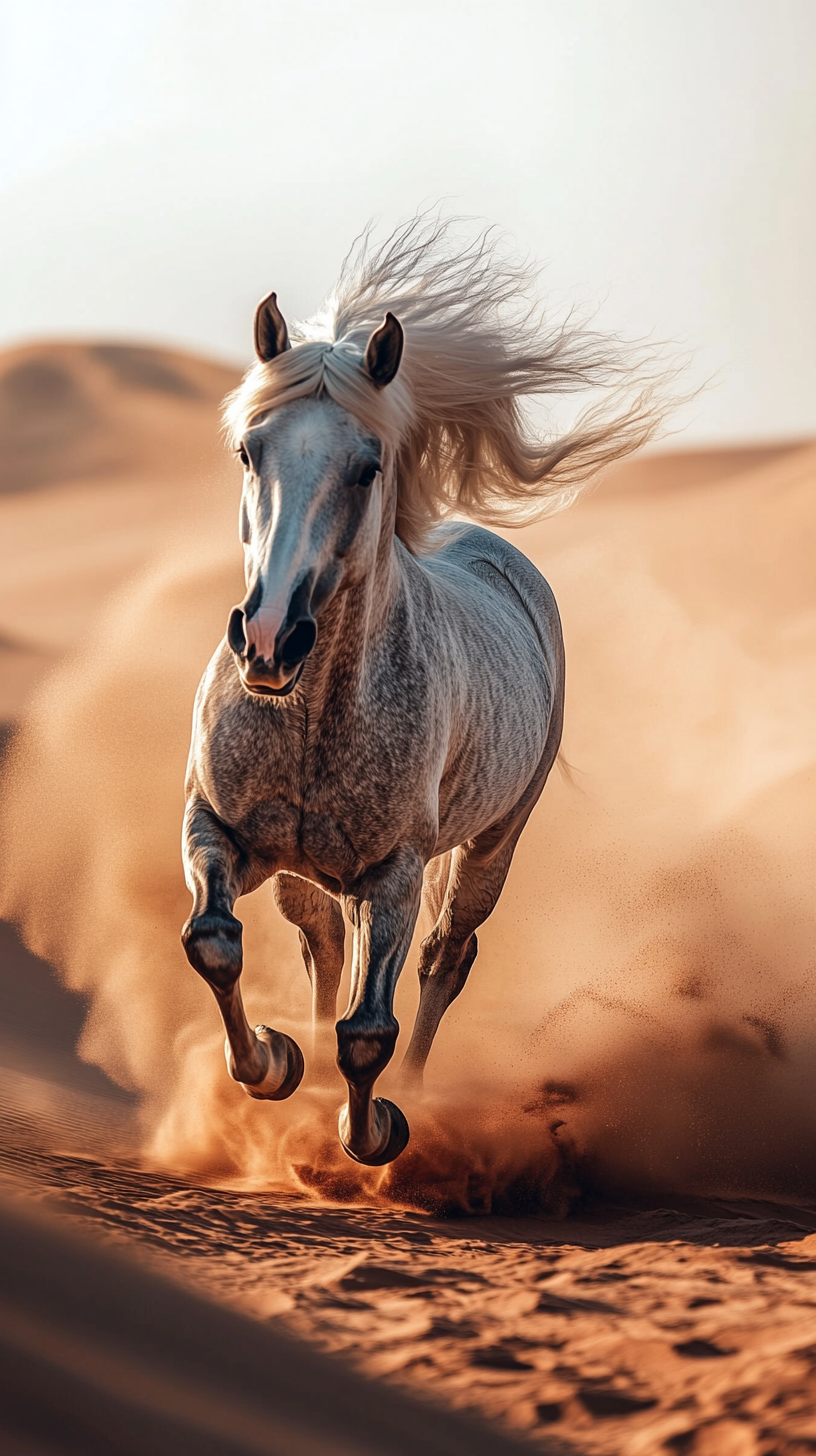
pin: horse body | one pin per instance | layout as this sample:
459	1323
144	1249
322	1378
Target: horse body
425	720
386	706
424	732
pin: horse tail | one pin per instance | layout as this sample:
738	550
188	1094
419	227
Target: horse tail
567	770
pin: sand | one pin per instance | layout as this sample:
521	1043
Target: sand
620	1125
617	1329
101	1355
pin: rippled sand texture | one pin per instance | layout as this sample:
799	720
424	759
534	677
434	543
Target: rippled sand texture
620	1329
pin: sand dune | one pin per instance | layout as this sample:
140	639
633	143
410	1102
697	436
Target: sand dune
638	1026
102	411
106	450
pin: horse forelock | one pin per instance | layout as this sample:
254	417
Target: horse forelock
315	369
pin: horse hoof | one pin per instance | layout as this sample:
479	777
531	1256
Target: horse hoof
395	1140
285	1057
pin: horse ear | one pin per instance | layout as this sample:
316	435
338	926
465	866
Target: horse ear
271	333
384	351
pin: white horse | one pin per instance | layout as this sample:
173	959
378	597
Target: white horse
384	710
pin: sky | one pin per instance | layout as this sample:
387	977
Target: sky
164	163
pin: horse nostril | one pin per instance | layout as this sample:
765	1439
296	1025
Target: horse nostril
235	631
253	601
300	641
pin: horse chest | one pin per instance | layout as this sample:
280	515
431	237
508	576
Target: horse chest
283	836
324	794
288	824
327	849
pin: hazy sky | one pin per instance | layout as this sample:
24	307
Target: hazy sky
165	162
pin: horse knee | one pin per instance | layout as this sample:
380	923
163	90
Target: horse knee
212	944
365	1049
446	961
290	895
469	952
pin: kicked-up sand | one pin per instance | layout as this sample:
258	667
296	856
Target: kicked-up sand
603	1232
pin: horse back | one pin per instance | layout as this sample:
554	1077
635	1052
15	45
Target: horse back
517	583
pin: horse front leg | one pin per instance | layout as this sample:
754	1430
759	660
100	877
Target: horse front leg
383	911
267	1063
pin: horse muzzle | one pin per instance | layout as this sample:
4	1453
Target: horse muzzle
276	675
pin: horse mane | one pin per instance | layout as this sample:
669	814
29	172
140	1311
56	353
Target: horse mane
477	347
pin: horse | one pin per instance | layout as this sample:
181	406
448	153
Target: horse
383	712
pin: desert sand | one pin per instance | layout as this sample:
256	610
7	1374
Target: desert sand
602	1237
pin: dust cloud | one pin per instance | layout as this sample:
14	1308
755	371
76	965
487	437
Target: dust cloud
641	1013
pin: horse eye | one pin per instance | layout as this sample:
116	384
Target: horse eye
368	475
244	458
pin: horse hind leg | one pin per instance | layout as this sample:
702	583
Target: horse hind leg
475	880
477	871
267	1063
322	930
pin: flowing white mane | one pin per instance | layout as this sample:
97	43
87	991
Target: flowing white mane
476	346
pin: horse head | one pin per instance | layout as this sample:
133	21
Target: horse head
311	511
